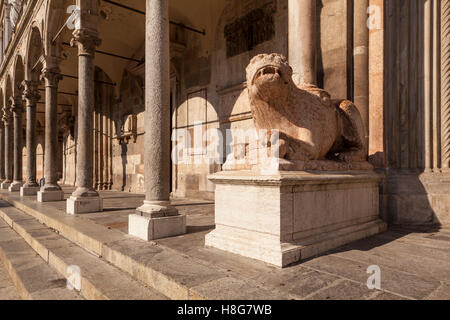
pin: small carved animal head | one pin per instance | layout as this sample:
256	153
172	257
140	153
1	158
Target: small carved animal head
269	75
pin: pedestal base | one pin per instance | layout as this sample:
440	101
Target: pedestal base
49	196
291	216
156	225
5	185
29	191
80	205
15	187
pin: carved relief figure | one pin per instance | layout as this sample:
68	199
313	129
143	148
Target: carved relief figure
311	125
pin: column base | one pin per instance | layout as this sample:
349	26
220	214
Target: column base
156	220
29	191
15	186
5	185
147	228
49	196
78	205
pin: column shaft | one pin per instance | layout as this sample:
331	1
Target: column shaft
361	62
156	218
302	40
31	96
2	151
85	198
157	91
8	147
87	40
52	78
17	110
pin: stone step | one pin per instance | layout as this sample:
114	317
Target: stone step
97	278
33	278
176	275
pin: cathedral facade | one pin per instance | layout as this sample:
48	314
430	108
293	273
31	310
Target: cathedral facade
88	99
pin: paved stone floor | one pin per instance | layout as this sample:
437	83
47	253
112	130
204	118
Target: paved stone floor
414	262
7	289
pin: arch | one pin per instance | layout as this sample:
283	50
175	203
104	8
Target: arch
34	52
54	19
8	92
18	76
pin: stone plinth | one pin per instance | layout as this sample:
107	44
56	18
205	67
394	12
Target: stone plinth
15	187
291	216
29	191
5	185
48	196
156	221
77	205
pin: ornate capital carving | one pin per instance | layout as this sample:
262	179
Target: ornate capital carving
87	40
30	92
52	76
7	115
16	105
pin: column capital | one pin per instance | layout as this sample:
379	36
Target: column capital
16	105
30	92
52	76
87	40
7	115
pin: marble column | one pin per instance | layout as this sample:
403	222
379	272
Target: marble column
51	191
2	151
156	218
302	40
361	62
7	120
31	96
85	199
17	109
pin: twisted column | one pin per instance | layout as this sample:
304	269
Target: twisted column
17	109
445	82
31	96
51	191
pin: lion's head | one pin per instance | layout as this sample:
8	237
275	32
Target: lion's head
269	76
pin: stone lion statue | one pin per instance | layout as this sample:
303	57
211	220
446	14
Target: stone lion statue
311	126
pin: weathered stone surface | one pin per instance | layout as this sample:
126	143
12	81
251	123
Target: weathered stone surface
79	205
147	228
284	218
33	278
48	196
7	289
175	266
311	126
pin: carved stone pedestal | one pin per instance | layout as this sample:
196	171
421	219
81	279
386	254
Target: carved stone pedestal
15	186
5	185
49	196
156	221
291	216
78	205
28	191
